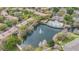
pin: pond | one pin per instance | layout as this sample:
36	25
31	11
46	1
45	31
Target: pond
42	32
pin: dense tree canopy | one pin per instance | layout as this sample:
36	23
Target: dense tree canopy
50	43
11	42
70	11
1	18
2	26
56	9
68	19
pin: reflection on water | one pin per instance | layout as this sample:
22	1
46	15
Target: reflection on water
41	33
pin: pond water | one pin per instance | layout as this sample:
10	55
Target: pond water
42	32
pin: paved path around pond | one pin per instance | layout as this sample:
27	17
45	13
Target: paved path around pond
72	46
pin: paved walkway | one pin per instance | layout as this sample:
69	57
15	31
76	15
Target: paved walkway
72	46
9	32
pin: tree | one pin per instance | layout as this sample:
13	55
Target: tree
61	13
26	14
2	26
70	11
55	9
1	18
50	43
75	8
22	31
36	17
8	22
68	19
11	42
11	22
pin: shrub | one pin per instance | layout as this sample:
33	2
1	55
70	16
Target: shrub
75	8
1	18
8	22
50	43
26	14
28	48
36	17
68	19
11	22
70	11
55	9
61	12
11	42
2	26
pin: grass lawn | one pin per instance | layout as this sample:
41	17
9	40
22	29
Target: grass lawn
69	38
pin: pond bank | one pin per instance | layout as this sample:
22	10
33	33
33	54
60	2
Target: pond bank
42	32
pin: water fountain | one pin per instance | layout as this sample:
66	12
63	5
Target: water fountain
40	31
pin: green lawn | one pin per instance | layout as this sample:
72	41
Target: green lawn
70	37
